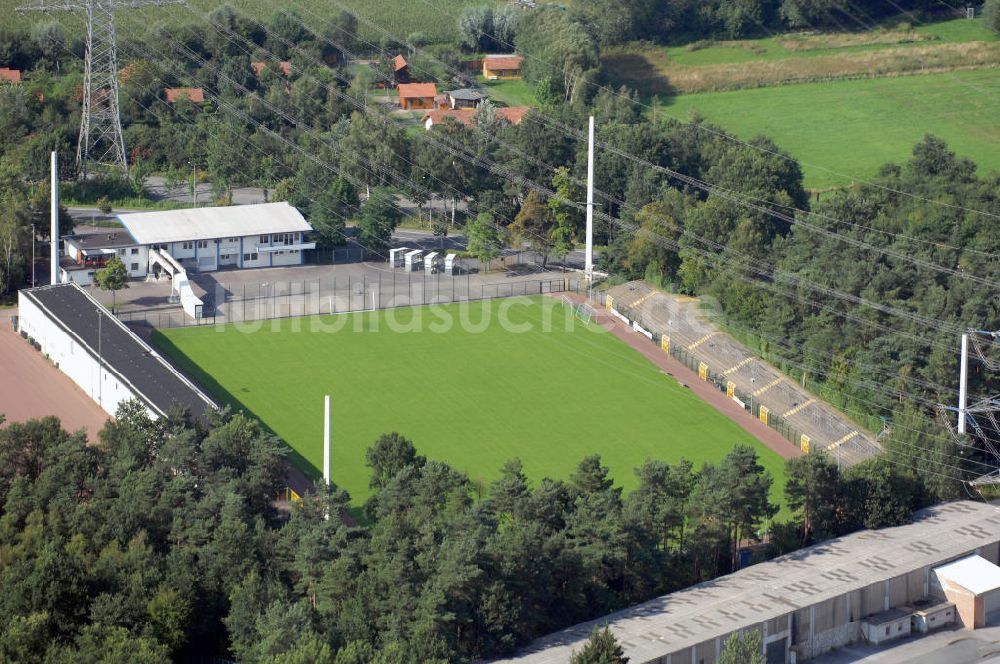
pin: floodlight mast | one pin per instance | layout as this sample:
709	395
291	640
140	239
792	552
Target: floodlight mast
589	264
101	142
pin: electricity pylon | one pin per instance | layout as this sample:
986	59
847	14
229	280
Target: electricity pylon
101	142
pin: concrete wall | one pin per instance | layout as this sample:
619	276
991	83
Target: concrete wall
103	386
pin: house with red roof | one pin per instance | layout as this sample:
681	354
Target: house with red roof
284	67
500	67
10	75
195	95
416	96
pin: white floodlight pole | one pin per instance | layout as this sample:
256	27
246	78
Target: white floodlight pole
963	380
589	267
326	440
54	231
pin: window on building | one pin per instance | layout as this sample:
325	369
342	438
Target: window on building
135	251
135	267
264	239
121	251
189	245
232	239
887	630
250	257
203	244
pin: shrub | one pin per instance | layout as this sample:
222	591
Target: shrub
104	205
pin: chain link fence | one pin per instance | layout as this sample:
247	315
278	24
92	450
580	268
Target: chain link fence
338	295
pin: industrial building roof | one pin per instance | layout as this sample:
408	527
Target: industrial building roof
213	222
974	573
772	589
124	354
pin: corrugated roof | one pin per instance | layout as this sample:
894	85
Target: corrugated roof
975	574
772	589
399	62
213	222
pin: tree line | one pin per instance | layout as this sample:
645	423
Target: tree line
163	542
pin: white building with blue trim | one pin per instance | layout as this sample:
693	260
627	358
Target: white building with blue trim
199	239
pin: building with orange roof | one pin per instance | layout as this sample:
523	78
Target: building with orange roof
400	69
195	95
416	96
499	67
467	116
513	114
284	67
10	75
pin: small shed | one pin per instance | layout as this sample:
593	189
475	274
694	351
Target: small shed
466	98
929	615
432	262
886	626
397	256
973	584
449	264
414	259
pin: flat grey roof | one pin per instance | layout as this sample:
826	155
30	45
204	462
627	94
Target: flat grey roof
157	383
774	588
110	239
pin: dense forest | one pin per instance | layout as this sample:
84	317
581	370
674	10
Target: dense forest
163	542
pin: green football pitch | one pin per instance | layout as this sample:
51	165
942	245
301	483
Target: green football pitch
472	386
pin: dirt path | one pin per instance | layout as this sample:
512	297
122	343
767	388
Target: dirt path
706	392
31	387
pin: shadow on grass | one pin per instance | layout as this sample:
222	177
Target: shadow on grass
635	71
205	381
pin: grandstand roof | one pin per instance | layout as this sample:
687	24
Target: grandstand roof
121	352
208	223
773	589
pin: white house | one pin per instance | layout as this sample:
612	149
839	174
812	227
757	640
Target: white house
106	359
200	239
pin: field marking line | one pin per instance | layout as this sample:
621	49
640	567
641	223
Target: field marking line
800	407
834	445
767	387
702	340
736	367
